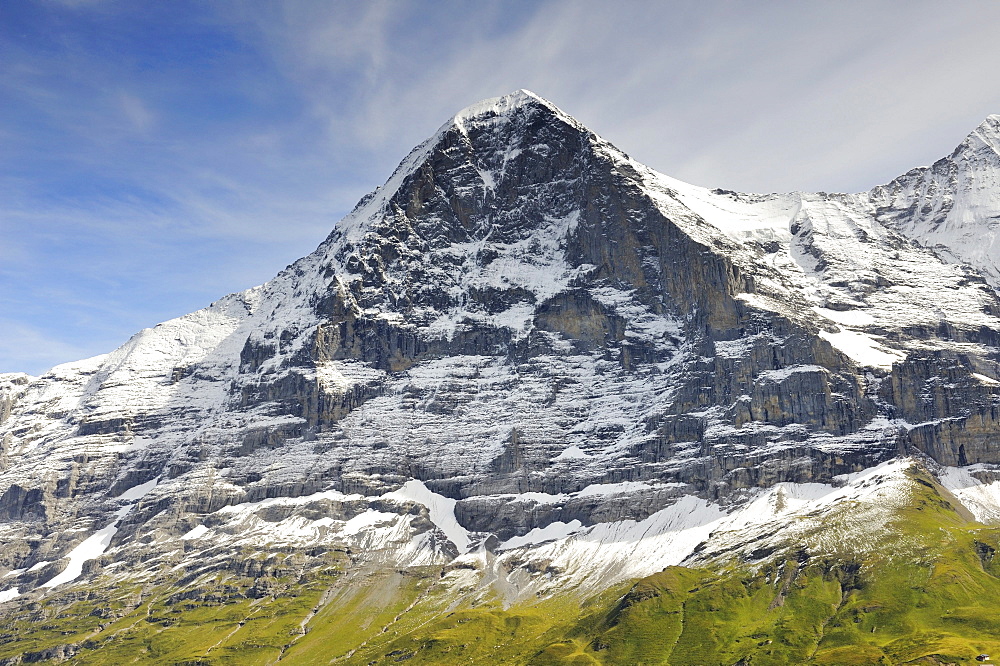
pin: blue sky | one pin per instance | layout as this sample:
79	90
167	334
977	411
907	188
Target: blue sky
155	156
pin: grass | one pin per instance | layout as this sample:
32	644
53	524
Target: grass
927	595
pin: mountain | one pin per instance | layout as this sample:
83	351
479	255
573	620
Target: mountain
533	402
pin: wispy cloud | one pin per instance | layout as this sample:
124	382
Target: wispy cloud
136	112
155	157
762	96
23	346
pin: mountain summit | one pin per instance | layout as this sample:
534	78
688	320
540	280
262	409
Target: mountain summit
529	367
953	205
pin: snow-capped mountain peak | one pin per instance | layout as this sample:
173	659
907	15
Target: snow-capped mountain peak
530	336
989	132
952	206
504	106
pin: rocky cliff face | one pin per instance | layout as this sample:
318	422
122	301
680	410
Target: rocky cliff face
524	338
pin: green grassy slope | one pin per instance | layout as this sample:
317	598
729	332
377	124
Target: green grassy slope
930	594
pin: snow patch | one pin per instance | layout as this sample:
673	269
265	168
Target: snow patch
863	349
981	499
623	488
608	552
551	532
247	508
92	547
781	375
367	520
572	453
741	217
441	509
138	492
540	498
846	317
195	533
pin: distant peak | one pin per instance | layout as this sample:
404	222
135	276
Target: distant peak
989	132
991	124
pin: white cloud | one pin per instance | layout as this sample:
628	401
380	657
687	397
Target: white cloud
750	96
25	348
136	112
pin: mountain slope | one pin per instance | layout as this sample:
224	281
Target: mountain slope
529	365
920	591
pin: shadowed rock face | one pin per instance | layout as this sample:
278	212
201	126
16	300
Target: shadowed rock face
522	308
